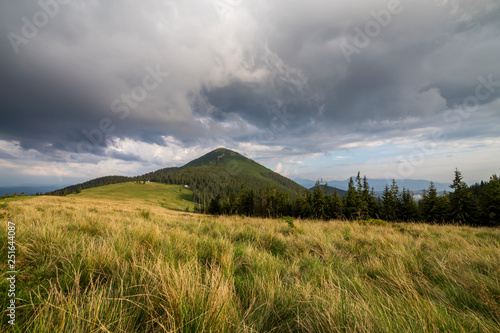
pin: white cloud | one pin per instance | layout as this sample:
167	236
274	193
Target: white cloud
278	168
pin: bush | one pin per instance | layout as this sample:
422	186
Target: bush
145	213
289	221
373	222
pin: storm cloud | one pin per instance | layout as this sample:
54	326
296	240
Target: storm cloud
99	84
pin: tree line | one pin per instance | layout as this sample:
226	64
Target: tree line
208	182
478	204
107	180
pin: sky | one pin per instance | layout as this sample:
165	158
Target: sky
311	89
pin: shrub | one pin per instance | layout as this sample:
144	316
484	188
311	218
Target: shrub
373	222
289	221
145	213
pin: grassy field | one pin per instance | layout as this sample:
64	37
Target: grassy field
88	263
167	196
17	198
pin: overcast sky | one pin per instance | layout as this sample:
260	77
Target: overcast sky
311	89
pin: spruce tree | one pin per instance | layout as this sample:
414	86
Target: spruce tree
373	205
489	200
352	202
396	202
299	205
463	207
409	208
337	207
388	204
214	207
318	202
429	205
443	208
365	199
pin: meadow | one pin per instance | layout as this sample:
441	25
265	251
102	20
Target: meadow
174	197
95	262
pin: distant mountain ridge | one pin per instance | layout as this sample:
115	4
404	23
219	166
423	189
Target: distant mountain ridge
378	184
329	190
27	189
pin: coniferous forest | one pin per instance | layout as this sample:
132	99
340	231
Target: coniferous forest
477	205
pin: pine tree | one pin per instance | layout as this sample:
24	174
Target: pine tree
329	211
359	185
489	200
409	208
232	203
373	206
352	202
365	198
299	206
463	207
307	205
443	208
337	208
214	207
248	203
388	204
318	202
429	205
245	201
396	201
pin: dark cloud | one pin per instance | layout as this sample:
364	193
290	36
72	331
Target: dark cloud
257	72
125	156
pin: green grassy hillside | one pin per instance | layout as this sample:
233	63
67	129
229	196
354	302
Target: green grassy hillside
102	181
17	198
223	171
168	196
215	174
235	164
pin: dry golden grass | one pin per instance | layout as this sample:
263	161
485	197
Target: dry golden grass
96	265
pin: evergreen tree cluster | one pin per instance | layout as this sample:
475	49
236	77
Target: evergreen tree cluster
475	205
209	182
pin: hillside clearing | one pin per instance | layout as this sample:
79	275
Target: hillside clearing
174	197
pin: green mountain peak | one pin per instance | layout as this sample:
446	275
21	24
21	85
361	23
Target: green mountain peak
215	174
217	157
